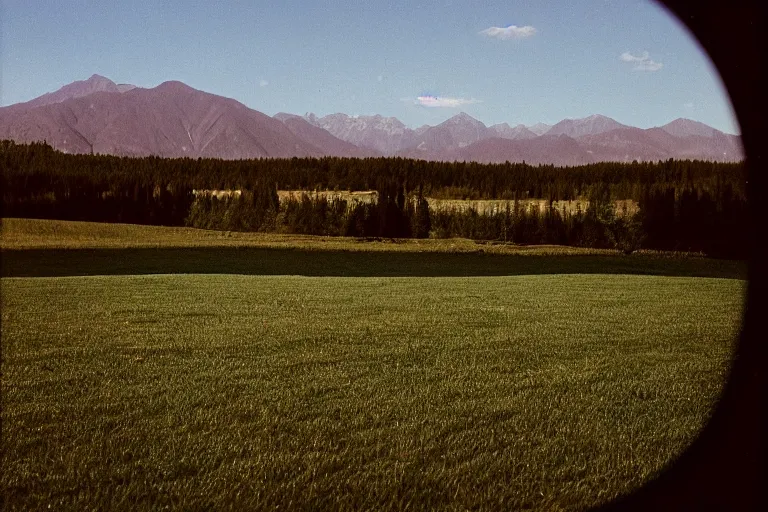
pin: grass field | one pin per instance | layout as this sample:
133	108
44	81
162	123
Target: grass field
39	248
55	234
473	381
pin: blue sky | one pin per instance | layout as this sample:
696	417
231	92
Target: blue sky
499	61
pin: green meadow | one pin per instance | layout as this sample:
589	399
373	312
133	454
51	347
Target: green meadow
145	368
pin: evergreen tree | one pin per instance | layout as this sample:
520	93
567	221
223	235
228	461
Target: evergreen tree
422	223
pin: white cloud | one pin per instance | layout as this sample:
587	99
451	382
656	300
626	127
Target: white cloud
441	101
263	83
628	57
642	62
510	32
688	105
380	78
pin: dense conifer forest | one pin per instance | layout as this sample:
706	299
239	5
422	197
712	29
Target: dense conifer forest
683	205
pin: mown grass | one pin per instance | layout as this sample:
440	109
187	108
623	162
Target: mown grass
254	392
19	234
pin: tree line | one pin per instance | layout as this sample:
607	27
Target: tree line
683	205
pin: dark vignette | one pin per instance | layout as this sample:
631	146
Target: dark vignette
725	468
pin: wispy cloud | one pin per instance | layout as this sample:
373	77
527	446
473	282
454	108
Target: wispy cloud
442	101
642	62
688	105
510	32
263	83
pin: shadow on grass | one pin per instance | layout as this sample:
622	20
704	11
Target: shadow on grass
261	261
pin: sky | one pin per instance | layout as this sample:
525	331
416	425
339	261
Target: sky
422	62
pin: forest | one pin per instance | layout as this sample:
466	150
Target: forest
687	205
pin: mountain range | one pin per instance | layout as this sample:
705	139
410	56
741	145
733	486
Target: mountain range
174	120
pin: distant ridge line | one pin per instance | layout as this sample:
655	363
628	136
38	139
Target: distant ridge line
174	119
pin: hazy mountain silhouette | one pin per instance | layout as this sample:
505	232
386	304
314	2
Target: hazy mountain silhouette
457	132
682	127
539	128
547	149
78	89
322	139
175	120
519	132
386	135
592	125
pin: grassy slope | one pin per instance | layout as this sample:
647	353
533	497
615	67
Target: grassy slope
58	248
364	393
57	234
